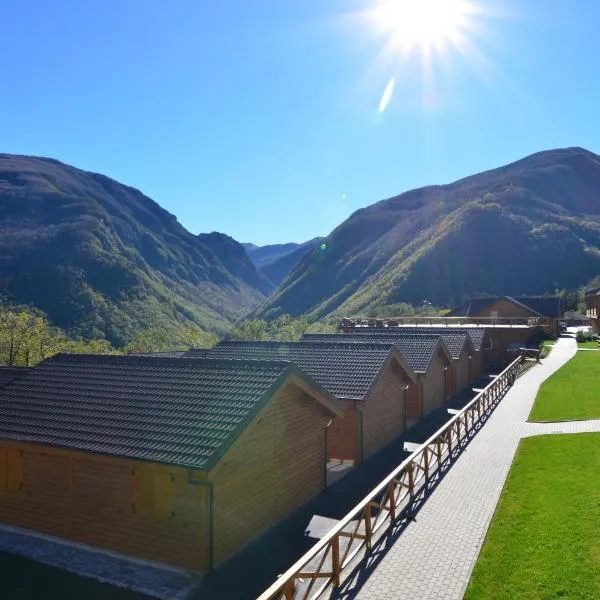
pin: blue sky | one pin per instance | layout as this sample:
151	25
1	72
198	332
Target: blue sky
260	119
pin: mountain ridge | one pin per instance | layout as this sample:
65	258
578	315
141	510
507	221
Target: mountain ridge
102	259
441	243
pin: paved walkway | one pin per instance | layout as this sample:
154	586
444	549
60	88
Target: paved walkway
436	553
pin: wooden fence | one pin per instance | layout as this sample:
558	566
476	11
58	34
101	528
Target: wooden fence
322	567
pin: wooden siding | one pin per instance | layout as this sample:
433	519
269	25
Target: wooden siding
414	404
96	500
506	308
461	368
384	411
434	386
275	466
343	436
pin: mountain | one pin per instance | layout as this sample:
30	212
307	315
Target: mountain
526	228
265	255
102	259
277	260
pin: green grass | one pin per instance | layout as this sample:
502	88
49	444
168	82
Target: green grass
544	540
572	393
593	345
549	342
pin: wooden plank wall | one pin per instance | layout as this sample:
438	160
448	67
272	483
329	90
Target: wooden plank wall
462	371
343	436
433	386
275	466
384	410
136	508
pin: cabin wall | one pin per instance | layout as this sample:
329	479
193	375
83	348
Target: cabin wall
414	404
505	309
275	466
434	391
384	414
343	435
461	367
140	509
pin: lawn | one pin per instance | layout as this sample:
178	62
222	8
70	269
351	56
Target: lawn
544	539
593	344
572	393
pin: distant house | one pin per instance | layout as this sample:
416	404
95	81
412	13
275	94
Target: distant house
374	381
506	307
592	307
426	355
169	459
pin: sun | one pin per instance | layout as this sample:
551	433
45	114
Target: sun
423	24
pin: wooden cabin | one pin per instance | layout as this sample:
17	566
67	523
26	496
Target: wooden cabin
426	355
374	381
169	459
465	365
547	309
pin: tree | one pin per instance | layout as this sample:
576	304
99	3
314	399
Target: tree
155	339
255	329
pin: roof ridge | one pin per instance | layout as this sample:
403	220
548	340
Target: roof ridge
167	360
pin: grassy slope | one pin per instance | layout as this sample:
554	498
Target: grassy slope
544	539
571	393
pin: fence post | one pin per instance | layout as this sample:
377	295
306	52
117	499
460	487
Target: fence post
391	500
335	560
368	526
426	462
288	590
411	479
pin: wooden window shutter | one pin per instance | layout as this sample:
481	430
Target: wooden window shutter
143	490
164	495
14	471
3	468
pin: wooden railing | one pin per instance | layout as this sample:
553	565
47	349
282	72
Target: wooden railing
447	322
322	567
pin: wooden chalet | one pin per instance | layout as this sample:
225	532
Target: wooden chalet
426	355
373	380
169	459
547	310
466	359
592	308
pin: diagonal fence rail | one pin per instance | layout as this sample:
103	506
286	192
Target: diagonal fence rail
323	566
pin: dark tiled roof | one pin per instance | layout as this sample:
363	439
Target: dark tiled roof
550	307
593	292
197	353
544	306
169	410
8	374
418	351
472	307
173	354
448	334
343	369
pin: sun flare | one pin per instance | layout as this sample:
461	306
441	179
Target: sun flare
423	23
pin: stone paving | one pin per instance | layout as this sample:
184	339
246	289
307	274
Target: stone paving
434	556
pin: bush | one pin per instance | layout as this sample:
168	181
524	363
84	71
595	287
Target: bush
585	336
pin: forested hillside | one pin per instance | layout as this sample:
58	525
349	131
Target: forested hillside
530	227
103	260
